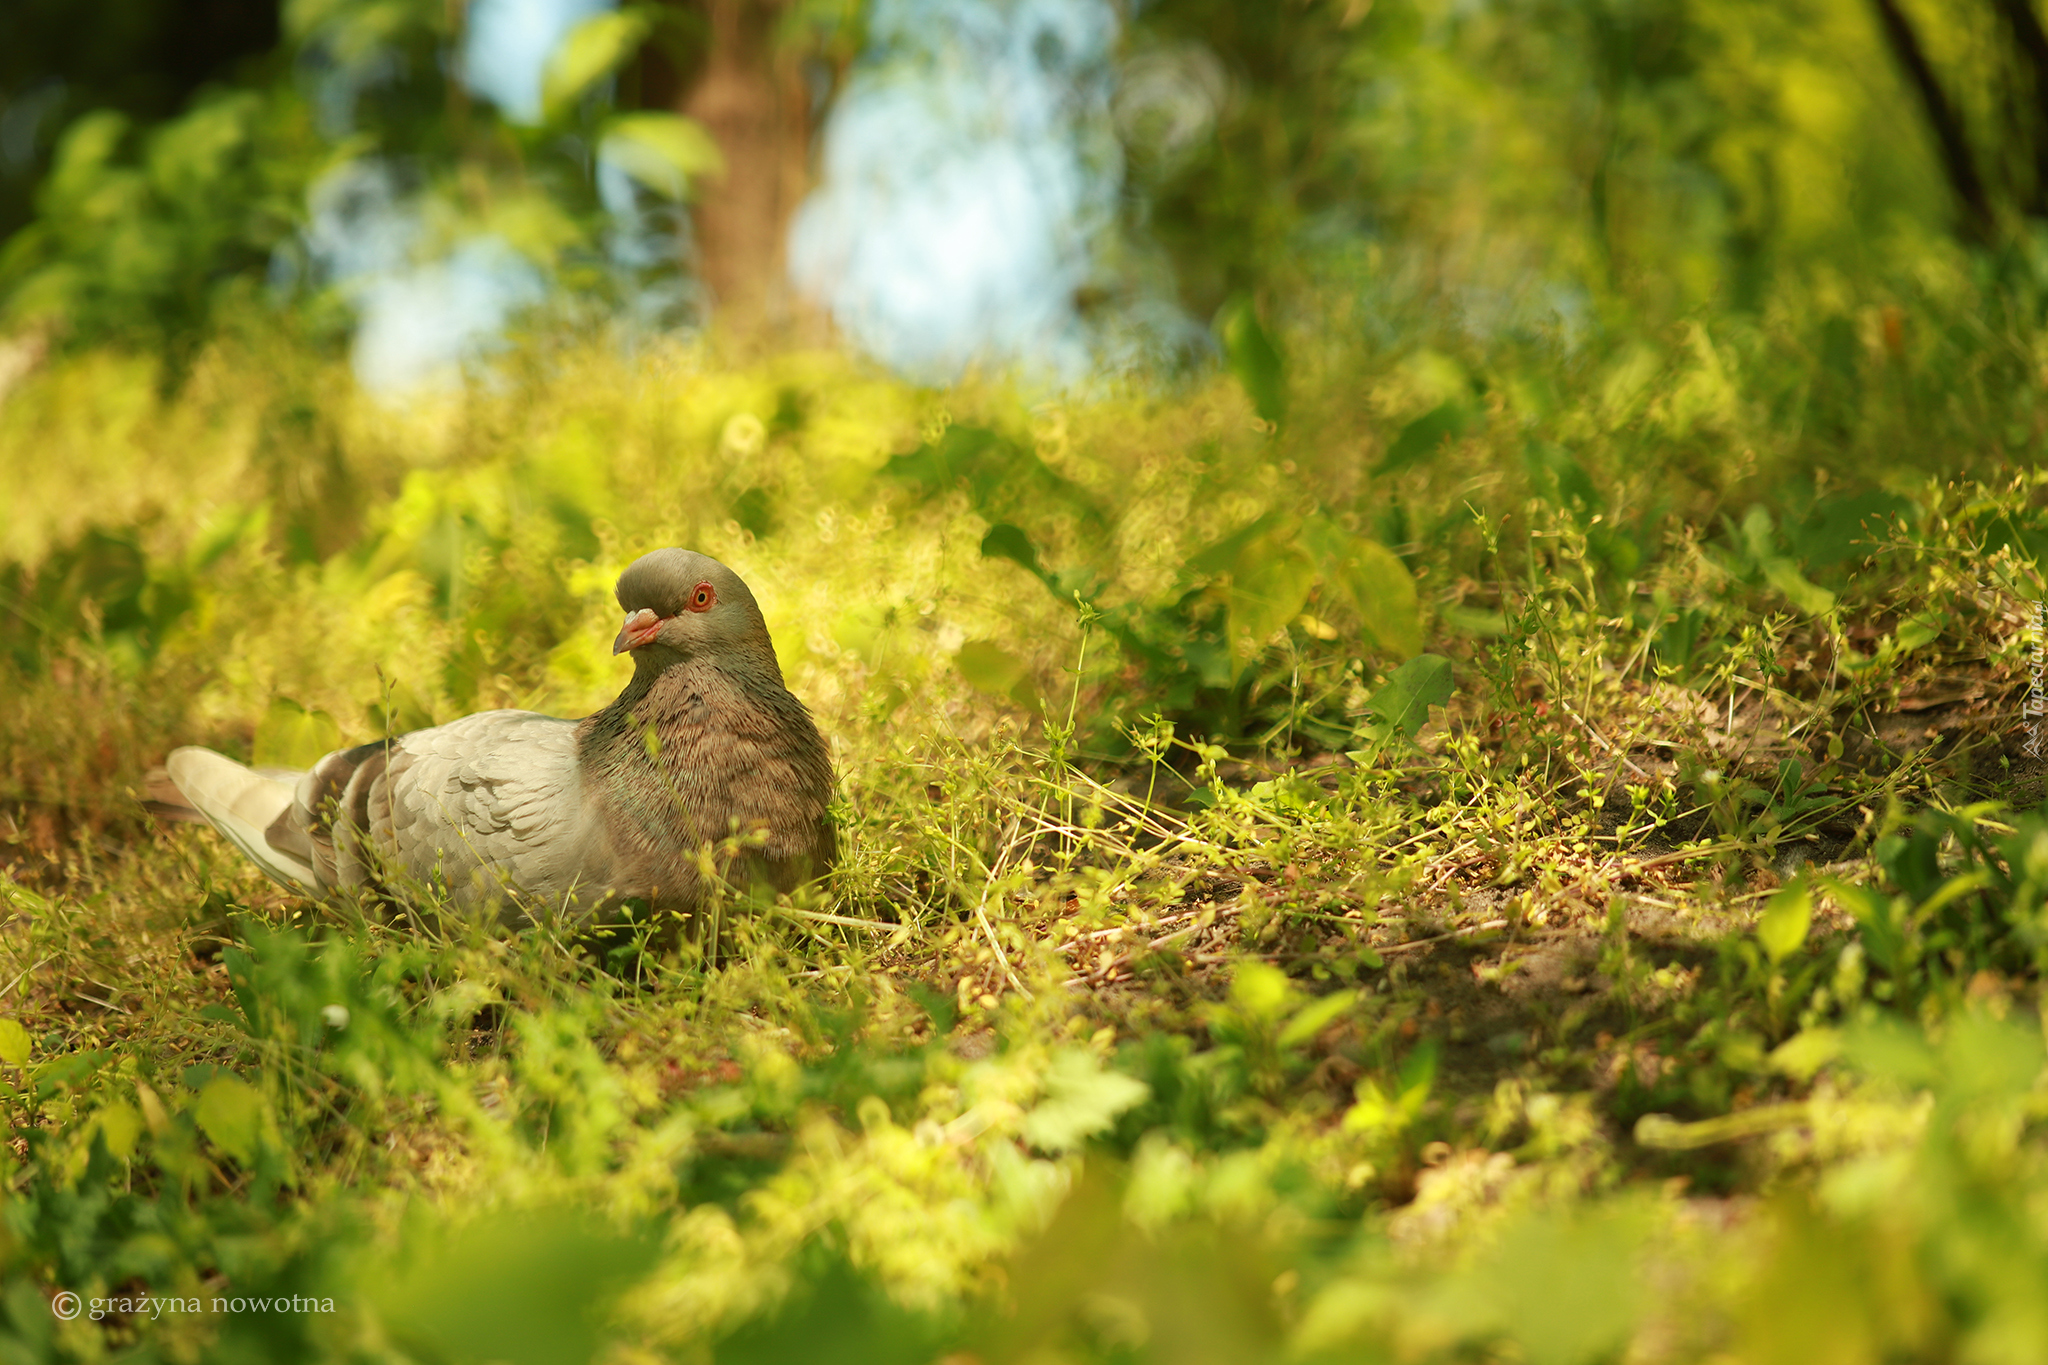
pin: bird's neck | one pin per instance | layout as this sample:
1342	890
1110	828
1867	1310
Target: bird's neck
670	690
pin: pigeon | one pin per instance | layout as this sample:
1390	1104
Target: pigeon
705	771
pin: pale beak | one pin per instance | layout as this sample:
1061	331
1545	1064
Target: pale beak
640	629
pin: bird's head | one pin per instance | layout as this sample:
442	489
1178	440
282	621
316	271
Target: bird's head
683	605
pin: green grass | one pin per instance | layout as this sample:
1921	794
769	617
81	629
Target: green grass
1186	991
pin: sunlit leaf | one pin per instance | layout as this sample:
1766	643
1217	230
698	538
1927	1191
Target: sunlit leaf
1269	585
1081	1100
665	152
1313	1018
230	1112
990	668
1920	630
120	1126
1781	929
1808	596
290	736
593	50
1807	1052
14	1043
1260	991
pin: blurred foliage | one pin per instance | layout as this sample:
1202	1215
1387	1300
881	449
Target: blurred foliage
1564	169
140	58
1412	172
160	235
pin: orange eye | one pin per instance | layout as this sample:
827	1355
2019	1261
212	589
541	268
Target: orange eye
703	598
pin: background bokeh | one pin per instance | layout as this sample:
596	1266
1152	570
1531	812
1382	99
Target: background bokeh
1061	185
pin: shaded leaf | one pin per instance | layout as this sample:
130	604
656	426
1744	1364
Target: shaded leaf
1005	541
1560	478
1253	359
1401	706
1424	435
1384	592
525	1287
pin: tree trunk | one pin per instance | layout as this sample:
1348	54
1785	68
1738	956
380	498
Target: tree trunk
1943	119
752	98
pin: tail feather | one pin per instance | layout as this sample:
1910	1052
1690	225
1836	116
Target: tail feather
161	798
242	804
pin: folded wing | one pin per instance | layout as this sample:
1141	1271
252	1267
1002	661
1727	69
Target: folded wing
476	808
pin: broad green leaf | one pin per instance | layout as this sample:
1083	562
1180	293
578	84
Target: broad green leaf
83	153
1847	527
664	152
1994	1058
1253	358
1375	1111
990	668
1809	597
593	50
1005	541
1807	1052
230	1111
1954	889
1314	1017
1260	991
1567	1285
1081	1100
1401	706
1920	630
1268	588
1219	556
1384	591
522	1286
1782	927
1891	1048
120	1125
1760	541
290	736
14	1043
